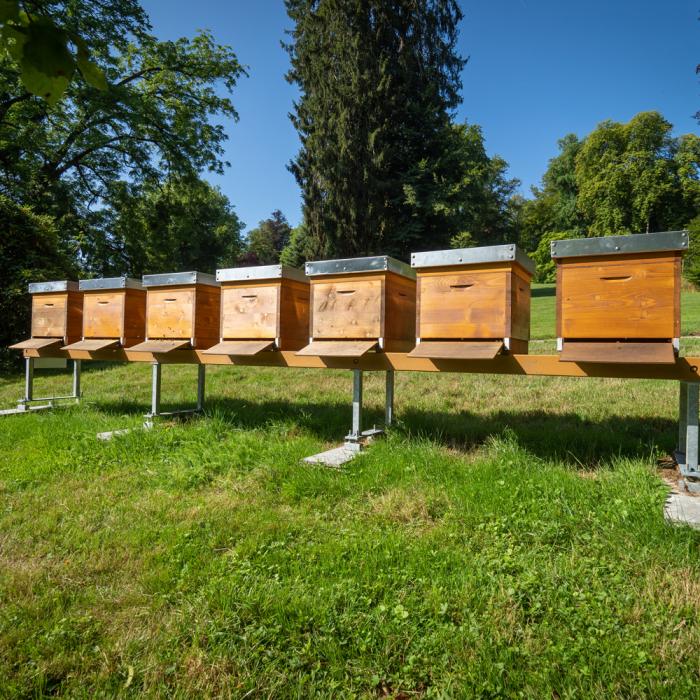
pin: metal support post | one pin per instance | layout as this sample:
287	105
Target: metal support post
77	368
389	406
155	389
692	430
356	431
29	379
201	375
682	418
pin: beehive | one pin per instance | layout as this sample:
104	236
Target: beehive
182	310
473	303
57	311
618	297
114	313
361	304
262	308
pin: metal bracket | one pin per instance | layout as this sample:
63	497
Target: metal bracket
155	411
688	433
27	403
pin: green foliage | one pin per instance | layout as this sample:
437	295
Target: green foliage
462	240
377	81
266	242
42	52
184	224
542	255
302	246
691	260
30	251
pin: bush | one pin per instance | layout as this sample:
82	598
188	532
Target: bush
542	256
691	261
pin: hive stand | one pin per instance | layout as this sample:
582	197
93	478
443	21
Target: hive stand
57	309
357	438
688	433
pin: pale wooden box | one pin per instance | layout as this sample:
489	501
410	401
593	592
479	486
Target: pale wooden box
265	307
361	304
182	309
472	303
618	297
57	312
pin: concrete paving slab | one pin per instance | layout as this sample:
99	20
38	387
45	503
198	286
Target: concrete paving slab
682	509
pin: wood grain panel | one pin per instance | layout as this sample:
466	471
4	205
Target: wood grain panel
618	299
134	317
458	349
240	347
207	315
463	304
349	307
399	311
103	314
37	344
520	305
250	311
337	348
93	344
634	353
49	315
170	313
159	346
294	328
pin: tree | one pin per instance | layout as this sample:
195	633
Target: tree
301	248
267	241
377	83
185	224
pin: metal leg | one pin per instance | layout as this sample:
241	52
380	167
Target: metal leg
77	367
692	429
389	407
29	379
155	389
201	375
682	417
356	431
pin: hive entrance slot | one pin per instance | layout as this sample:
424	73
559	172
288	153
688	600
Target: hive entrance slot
616	278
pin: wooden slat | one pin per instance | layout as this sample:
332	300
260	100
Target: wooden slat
160	346
347	308
93	344
627	353
457	350
337	348
240	347
37	343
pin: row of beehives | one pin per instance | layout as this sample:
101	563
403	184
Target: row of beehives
618	299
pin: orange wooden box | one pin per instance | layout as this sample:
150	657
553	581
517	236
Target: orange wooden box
361	304
182	310
473	303
57	315
618	297
114	313
265	307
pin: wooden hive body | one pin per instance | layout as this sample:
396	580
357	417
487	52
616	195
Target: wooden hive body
361	304
618	297
114	309
262	308
181	309
57	312
472	302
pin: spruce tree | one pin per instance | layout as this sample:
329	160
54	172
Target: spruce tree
378	81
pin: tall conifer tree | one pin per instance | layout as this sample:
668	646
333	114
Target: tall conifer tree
378	80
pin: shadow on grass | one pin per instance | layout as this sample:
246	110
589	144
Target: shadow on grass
567	437
543	291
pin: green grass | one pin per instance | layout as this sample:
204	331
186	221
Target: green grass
543	310
505	540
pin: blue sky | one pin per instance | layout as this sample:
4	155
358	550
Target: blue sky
538	70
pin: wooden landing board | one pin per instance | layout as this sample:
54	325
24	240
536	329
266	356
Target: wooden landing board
624	353
240	348
93	344
338	348
160	346
457	350
37	344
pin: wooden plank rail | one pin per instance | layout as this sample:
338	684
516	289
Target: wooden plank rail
685	368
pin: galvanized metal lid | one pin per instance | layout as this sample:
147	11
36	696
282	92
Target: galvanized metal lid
473	256
58	286
621	245
347	266
168	279
109	283
260	272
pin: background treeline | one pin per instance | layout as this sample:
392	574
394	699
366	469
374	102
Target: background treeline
107	175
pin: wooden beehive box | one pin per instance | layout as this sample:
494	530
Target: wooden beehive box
618	297
473	303
262	308
361	304
114	314
182	310
57	312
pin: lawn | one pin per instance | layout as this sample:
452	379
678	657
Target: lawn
505	540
